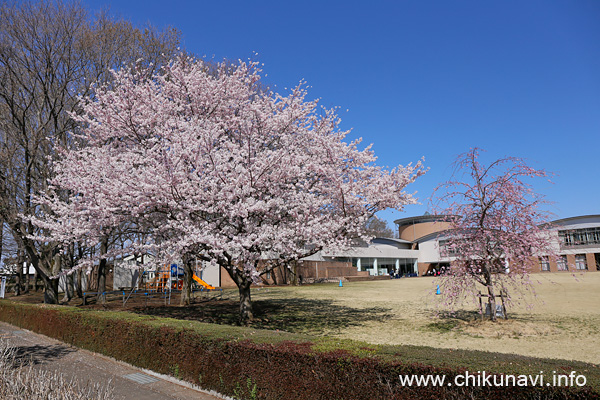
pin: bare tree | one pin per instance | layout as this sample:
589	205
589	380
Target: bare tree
377	227
50	54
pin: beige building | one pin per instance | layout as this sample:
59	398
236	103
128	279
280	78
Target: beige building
577	241
419	250
578	245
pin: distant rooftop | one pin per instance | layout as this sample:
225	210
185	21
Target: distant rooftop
570	219
420	219
386	239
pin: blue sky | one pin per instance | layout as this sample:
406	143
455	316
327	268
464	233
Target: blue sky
426	78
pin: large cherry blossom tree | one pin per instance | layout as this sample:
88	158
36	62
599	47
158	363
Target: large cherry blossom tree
210	166
50	52
498	228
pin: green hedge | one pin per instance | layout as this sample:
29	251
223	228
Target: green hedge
247	363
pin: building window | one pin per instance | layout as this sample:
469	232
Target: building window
544	263
561	263
580	262
268	275
580	237
447	249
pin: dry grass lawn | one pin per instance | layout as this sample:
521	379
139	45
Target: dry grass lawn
564	323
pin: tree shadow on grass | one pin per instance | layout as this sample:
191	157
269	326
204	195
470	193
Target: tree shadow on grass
445	321
460	315
474	316
292	315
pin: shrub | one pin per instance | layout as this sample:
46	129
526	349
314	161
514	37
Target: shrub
258	364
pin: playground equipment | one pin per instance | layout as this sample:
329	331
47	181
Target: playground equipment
162	282
202	283
167	278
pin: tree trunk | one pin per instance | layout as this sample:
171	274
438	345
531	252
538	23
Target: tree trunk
246	313
35	281
69	279
79	286
69	289
274	276
101	282
295	272
17	287
1	238
45	269
492	302
51	285
85	282
19	280
188	273
243	283
102	272
50	290
26	282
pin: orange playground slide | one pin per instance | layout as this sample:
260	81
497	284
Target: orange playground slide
201	282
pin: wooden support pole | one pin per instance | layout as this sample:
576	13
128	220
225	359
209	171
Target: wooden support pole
503	305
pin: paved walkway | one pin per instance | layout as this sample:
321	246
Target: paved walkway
128	382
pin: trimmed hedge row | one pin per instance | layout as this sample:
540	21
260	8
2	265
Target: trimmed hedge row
252	364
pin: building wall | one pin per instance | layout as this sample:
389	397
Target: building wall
571	262
415	231
226	281
210	274
591	250
327	269
591	262
553	265
309	270
125	278
592	265
423	268
429	251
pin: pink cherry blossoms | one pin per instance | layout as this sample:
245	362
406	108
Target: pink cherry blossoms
497	229
207	163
